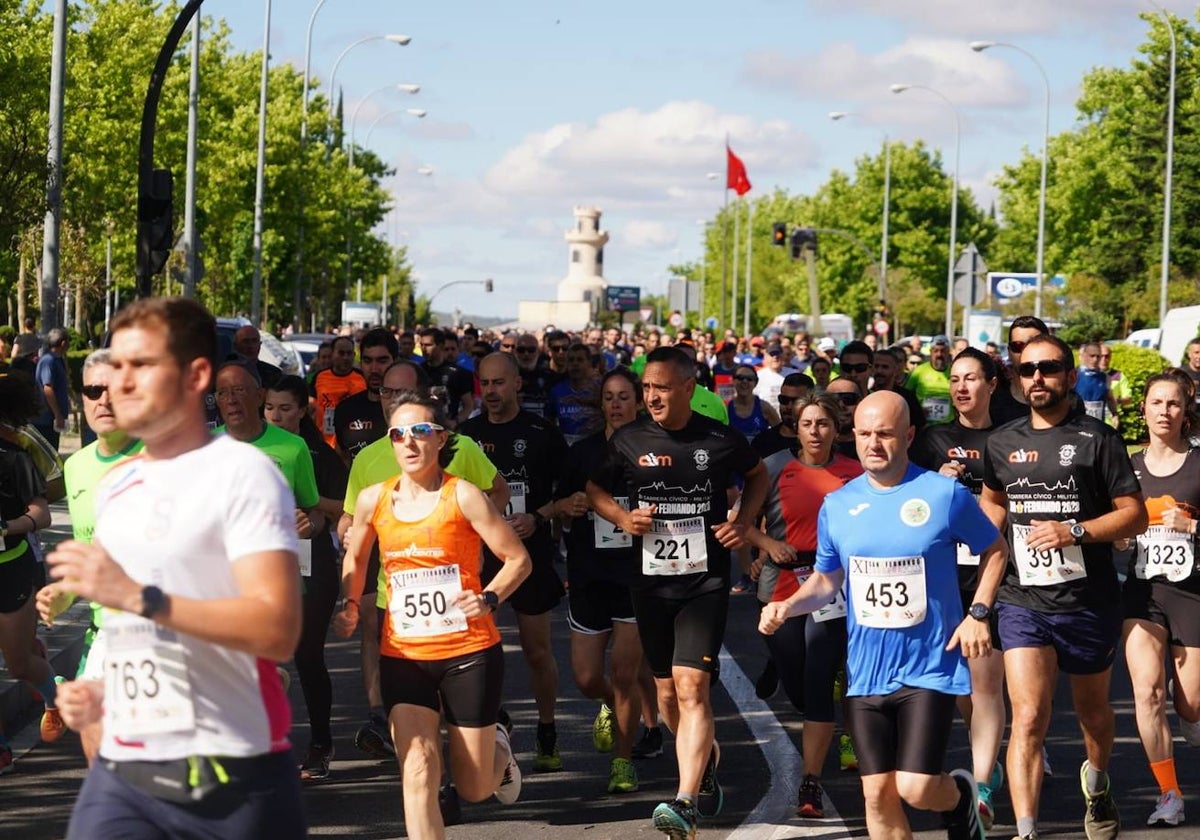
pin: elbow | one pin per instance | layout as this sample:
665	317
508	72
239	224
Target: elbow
524	567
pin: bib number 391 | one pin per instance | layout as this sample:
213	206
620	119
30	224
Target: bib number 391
888	592
423	602
1048	566
675	547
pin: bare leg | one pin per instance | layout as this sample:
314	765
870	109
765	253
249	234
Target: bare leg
694	732
417	735
1030	674
534	632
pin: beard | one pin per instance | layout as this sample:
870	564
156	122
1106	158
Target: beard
1045	399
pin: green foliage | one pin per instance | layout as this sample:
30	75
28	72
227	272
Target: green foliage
1087	325
75	359
1137	364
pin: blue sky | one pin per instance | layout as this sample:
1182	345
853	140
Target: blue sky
536	106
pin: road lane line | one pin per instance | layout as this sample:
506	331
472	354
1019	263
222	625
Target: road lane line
774	817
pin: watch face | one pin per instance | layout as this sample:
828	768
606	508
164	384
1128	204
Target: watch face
979	612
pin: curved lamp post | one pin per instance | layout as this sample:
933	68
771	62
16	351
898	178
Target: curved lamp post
887	203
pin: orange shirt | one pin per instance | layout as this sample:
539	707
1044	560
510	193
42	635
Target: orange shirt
330	389
418	552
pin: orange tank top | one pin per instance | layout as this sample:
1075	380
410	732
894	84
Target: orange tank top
417	558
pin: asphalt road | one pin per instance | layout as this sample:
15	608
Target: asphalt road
759	768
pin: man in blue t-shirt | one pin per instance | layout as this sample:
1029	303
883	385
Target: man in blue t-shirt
890	536
51	374
1091	384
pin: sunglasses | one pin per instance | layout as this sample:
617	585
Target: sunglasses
526	349
558	348
846	399
419	431
786	400
744	378
1016	346
94	392
774	353
507	346
856	368
1046	367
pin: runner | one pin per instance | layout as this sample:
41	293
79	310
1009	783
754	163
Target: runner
441	653
536	379
807	652
676	466
195	559
1162	587
888	536
286	407
333	384
574	403
447	381
358	419
1092	385
601	565
956	450
1063	485
749	413
930	383
529	453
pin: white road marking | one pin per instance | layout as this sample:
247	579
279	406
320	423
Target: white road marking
774	817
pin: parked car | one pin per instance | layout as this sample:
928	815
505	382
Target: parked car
304	346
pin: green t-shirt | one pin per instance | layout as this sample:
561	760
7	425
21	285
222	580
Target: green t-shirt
290	455
709	404
932	390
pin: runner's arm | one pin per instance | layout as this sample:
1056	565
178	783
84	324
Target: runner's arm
754	493
995	505
1127	519
813	594
362	537
606	506
498	536
991	571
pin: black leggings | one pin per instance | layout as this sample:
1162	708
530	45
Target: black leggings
320	598
807	655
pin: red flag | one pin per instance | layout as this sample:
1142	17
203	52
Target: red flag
735	173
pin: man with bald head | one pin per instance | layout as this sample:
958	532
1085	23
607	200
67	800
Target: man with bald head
890	537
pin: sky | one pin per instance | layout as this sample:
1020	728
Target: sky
536	106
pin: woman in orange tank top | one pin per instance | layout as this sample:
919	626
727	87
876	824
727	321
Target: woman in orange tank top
440	652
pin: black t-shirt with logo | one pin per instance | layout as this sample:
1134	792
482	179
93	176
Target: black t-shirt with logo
358	421
529	452
685	473
771	441
450	383
535	390
1069	471
945	442
595	552
1180	489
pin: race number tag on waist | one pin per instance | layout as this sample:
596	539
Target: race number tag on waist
675	547
965	557
422	602
1046	567
608	535
304	555
836	608
1164	552
327	422
936	408
147	690
888	592
1094	408
516	499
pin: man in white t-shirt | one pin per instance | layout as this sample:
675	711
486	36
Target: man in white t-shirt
194	560
771	375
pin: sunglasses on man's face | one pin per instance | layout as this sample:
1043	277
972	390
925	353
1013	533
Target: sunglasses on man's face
860	367
507	346
846	399
744	378
1016	346
526	350
419	431
1046	367
94	392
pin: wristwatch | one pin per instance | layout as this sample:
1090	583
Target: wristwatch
1078	532
538	519
154	601
490	599
980	611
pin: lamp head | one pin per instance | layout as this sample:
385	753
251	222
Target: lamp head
425	170
417	112
838	115
980	46
900	88
402	40
409	88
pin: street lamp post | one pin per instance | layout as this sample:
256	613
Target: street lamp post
405	88
256	291
901	88
887	203
980	46
402	40
1166	234
419	113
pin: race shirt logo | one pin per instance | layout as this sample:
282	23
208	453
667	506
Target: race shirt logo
519	446
361	425
701	457
915	512
859	508
1023	456
966	454
414	550
652	460
1066	454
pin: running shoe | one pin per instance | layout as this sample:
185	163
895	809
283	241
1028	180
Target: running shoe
602	729
52	726
449	805
1033	835
6	758
375	739
996	779
510	784
839	685
678	820
987	814
622	776
1169	810
316	764
1102	820
847	758
650	745
504	720
767	684
963	822
1047	770
743	586
546	759
711	798
809	800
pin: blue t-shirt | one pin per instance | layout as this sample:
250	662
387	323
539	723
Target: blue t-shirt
52	371
923	516
1092	387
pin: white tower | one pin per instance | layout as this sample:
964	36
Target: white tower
585	254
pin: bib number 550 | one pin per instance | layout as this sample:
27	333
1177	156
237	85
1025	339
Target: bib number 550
424	604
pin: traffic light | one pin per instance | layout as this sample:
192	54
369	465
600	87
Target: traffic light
779	234
487	285
803	238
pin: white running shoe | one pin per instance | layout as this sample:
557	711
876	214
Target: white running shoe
510	785
1169	810
1191	732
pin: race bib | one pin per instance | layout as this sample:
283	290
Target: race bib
965	557
327	422
422	602
675	547
1164	552
936	408
608	535
146	686
304	555
836	608
726	391
888	592
516	500
1047	567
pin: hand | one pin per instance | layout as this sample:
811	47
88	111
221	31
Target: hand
53	599
60	425
637	522
756	567
472	604
304	526
523	523
89	572
781	553
80	702
346	621
574	505
1048	534
772	617
1177	520
974	637
952	469
730	534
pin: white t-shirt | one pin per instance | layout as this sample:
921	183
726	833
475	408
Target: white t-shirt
769	383
179	524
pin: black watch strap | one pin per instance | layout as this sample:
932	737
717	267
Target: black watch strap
491	599
154	601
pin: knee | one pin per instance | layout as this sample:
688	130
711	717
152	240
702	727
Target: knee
473	790
21	667
590	682
1095	713
691	692
625	675
1030	719
421	766
1149	696
919	791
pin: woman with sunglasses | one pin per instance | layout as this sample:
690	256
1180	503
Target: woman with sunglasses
748	413
955	450
286	407
1162	587
440	651
808	650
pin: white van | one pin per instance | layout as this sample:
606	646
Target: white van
837	326
1145	338
1178	328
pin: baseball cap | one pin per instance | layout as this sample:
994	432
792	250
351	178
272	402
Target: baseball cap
757	341
26	344
826	344
939	339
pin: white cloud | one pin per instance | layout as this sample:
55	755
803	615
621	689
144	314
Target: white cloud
644	233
